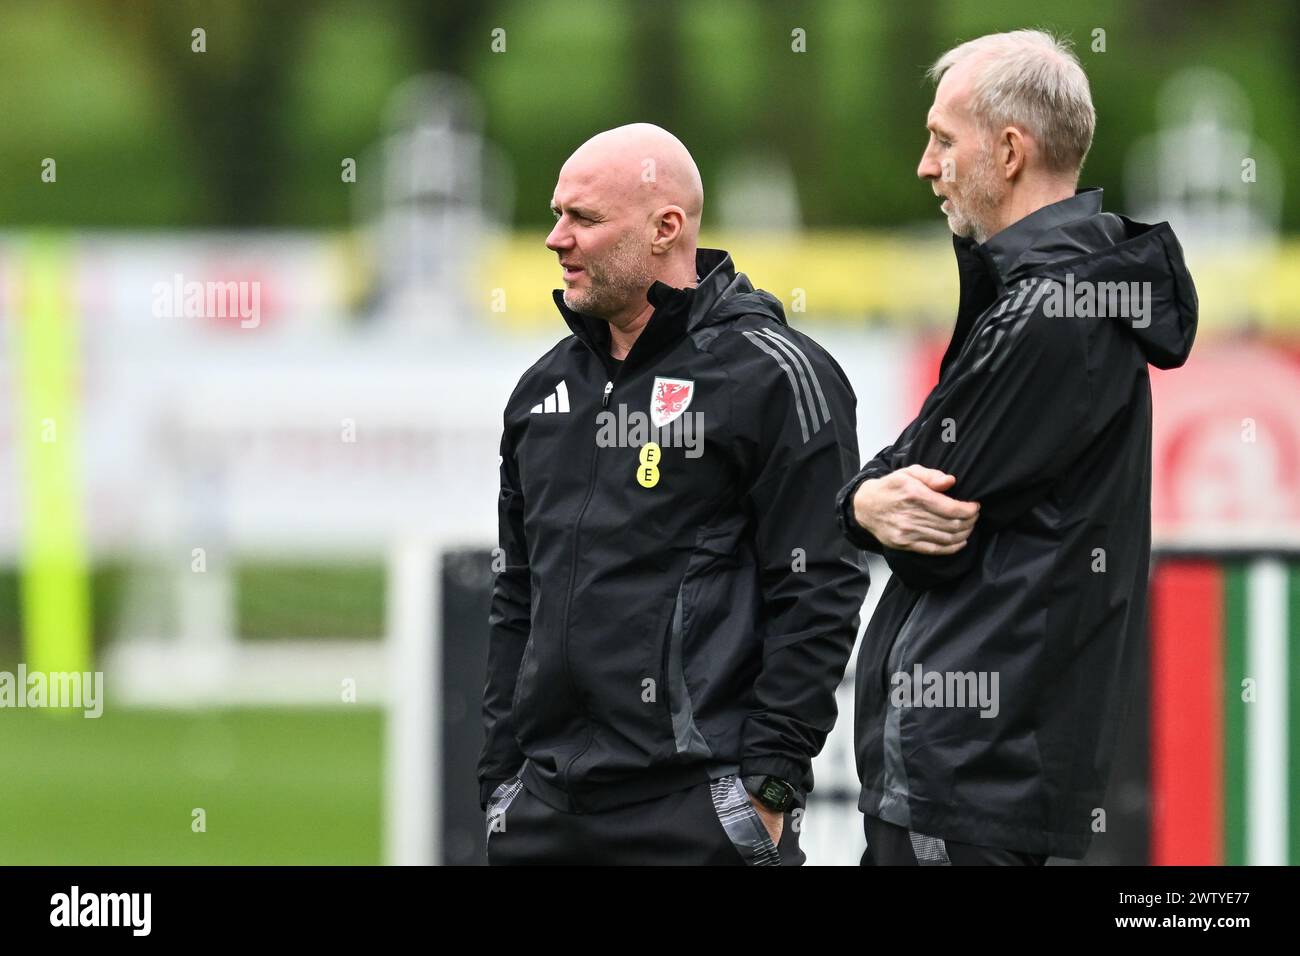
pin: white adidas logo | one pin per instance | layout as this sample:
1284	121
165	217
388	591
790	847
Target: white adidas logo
557	401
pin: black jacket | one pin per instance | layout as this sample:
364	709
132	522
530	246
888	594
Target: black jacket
1045	420
647	637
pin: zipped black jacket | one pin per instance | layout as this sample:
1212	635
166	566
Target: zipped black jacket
1042	412
647	635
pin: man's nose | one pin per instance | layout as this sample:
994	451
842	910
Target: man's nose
560	238
929	165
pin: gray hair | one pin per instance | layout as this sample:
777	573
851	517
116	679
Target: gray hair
1030	79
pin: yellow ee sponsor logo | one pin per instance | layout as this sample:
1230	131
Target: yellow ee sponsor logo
647	473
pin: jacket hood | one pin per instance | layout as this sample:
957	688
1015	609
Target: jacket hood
1100	260
723	293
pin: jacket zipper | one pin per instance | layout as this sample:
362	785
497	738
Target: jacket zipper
568	605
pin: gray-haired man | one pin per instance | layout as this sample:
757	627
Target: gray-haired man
1015	510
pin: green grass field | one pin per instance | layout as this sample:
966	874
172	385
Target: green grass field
278	787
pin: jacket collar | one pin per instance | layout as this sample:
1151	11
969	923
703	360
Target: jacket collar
676	311
714	271
1005	249
984	267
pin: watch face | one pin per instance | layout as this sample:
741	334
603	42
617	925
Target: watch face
775	795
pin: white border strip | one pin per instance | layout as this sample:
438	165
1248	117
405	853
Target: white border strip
1266	718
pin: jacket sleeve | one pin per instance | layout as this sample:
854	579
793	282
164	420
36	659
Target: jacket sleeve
509	623
800	443
1006	421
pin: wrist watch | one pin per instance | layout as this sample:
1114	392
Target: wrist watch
772	792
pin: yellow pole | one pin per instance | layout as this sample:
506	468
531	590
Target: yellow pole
55	587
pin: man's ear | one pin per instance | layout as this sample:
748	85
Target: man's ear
670	221
1011	152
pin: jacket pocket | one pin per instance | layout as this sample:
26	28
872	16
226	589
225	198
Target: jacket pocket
540	704
686	736
893	660
520	676
712	648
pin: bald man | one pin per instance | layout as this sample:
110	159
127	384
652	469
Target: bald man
674	606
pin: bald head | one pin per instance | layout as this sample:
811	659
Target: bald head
641	165
627	205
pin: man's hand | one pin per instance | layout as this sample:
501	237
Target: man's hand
907	511
775	822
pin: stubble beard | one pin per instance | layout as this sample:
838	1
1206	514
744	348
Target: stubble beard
973	211
621	278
